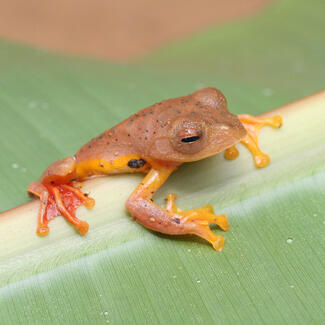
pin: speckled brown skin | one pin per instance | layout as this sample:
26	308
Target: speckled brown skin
156	140
150	132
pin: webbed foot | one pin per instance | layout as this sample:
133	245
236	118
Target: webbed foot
58	200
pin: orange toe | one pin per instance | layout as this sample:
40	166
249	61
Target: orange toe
42	230
83	227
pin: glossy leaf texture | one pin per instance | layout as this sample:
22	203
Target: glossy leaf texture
272	269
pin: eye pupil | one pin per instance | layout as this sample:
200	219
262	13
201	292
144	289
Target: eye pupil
190	139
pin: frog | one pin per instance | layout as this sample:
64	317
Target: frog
155	141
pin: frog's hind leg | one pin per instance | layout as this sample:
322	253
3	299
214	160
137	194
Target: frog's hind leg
253	125
58	196
172	220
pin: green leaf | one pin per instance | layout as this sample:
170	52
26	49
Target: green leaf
272	269
280	51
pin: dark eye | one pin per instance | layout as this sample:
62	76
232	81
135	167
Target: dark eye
191	139
188	136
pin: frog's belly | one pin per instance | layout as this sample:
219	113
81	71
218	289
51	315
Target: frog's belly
124	164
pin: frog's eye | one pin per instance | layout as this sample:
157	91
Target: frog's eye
188	139
192	138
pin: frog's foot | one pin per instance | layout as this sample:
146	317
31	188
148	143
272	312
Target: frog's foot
199	220
202	216
58	200
253	125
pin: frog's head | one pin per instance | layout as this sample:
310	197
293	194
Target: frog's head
204	128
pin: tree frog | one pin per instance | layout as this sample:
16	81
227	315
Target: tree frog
155	141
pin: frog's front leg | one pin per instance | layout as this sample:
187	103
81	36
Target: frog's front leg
172	220
253	125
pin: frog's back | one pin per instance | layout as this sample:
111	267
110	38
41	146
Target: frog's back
131	136
134	135
139	133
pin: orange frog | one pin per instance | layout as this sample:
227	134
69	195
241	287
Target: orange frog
154	141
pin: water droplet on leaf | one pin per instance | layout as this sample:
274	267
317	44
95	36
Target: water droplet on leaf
289	240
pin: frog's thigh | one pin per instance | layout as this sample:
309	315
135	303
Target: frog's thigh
60	168
172	220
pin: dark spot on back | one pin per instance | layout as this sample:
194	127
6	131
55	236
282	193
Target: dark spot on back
136	163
